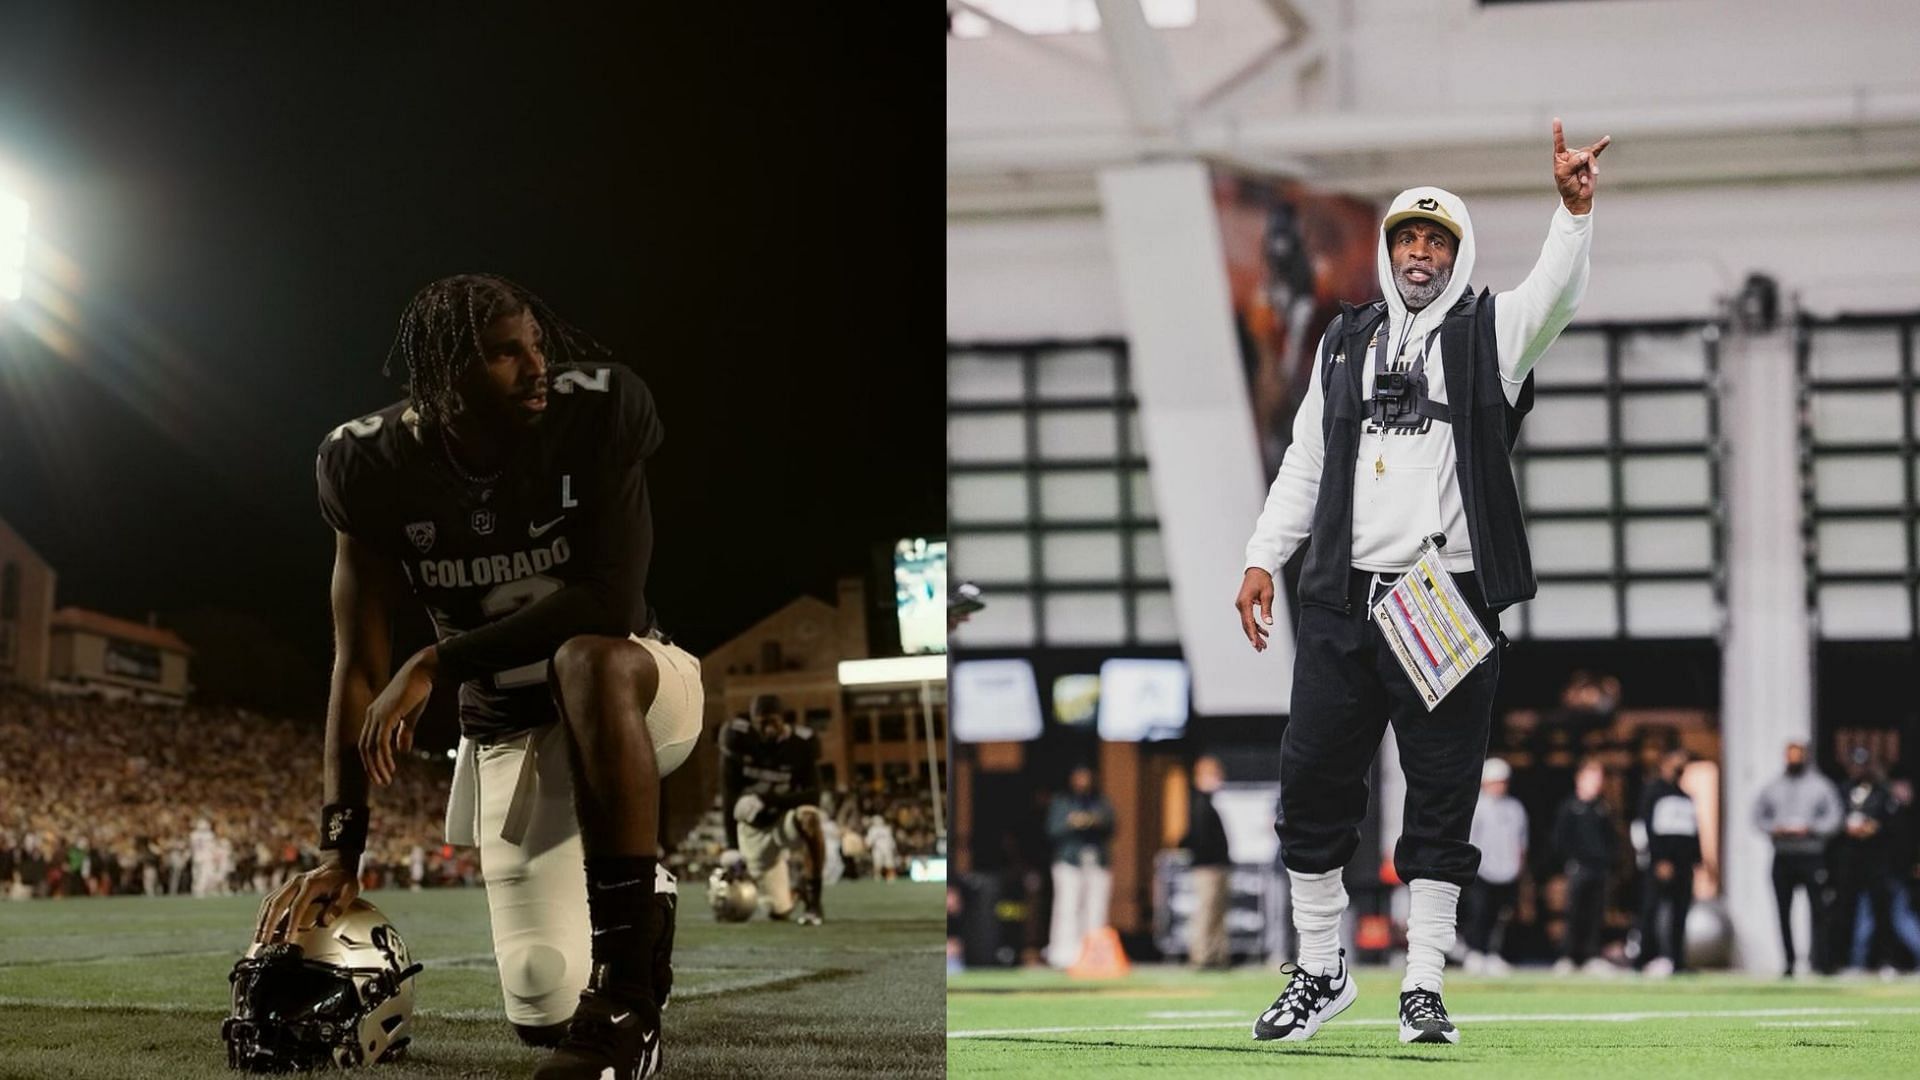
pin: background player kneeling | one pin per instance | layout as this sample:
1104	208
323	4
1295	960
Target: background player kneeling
772	786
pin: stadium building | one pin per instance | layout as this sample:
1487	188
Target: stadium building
26	612
118	659
866	734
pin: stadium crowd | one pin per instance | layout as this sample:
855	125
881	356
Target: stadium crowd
102	798
105	798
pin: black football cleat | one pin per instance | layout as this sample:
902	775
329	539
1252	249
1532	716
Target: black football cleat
607	1039
1306	1003
1423	1019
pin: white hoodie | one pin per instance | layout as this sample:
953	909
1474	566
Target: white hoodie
1404	484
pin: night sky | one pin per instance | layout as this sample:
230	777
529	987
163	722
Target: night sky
239	205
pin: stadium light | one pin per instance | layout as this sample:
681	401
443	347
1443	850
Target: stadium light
897	669
13	246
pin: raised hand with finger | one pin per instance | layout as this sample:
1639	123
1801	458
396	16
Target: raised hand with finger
1575	170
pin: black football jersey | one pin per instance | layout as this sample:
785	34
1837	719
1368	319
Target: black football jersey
568	512
783	772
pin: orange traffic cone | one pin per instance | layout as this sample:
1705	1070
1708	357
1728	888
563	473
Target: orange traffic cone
1100	957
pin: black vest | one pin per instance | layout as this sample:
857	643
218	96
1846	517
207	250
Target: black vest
1484	426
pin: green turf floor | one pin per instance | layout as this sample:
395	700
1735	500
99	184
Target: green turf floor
1165	1022
133	987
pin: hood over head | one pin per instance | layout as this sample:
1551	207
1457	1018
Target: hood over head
1446	208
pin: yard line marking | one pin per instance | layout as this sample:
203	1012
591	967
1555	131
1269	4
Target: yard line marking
1486	1018
1196	1014
771	978
1811	1023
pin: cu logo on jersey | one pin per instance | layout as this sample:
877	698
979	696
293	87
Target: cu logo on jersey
483	522
421	533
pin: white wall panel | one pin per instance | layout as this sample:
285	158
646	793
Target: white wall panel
1672	609
983	377
1081	556
1856	417
1862	545
1669	544
1573	420
1563	610
1006	621
1663	418
1666	480
1571	546
1069	496
1153	612
1855	352
1068	435
1855	480
1567	483
1647	357
987	498
986	437
1076	373
1085	619
992	557
1863	612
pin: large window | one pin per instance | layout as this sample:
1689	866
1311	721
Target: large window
1860	491
1050	509
1619	473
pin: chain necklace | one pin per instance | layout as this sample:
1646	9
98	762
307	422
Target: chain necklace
454	460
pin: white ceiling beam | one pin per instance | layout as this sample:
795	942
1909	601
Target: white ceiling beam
1144	71
1356	133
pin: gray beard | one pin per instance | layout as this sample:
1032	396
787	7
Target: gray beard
1419	296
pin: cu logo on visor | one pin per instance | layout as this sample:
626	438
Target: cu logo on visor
1427	204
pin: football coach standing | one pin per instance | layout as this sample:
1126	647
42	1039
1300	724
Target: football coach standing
1405	430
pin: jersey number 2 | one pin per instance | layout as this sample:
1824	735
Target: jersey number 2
506	598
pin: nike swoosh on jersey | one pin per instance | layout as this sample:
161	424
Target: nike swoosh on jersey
536	531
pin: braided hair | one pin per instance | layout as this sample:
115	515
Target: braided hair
439	337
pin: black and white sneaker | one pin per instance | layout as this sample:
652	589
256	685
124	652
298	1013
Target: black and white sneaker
1307	1002
1423	1019
607	1039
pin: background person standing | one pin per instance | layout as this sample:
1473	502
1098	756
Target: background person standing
1212	869
1079	823
1667	832
1500	832
1583	836
1862	864
1800	811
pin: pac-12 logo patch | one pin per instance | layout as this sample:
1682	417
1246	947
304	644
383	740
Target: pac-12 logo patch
421	533
483	522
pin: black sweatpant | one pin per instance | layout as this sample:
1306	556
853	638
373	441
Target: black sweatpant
1809	872
1347	686
1486	904
1586	910
1663	915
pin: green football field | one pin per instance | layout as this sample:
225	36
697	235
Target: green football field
135	987
1170	1023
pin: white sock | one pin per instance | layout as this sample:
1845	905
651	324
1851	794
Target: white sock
1318	902
1430	922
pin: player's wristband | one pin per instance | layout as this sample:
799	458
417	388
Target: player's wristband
343	827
